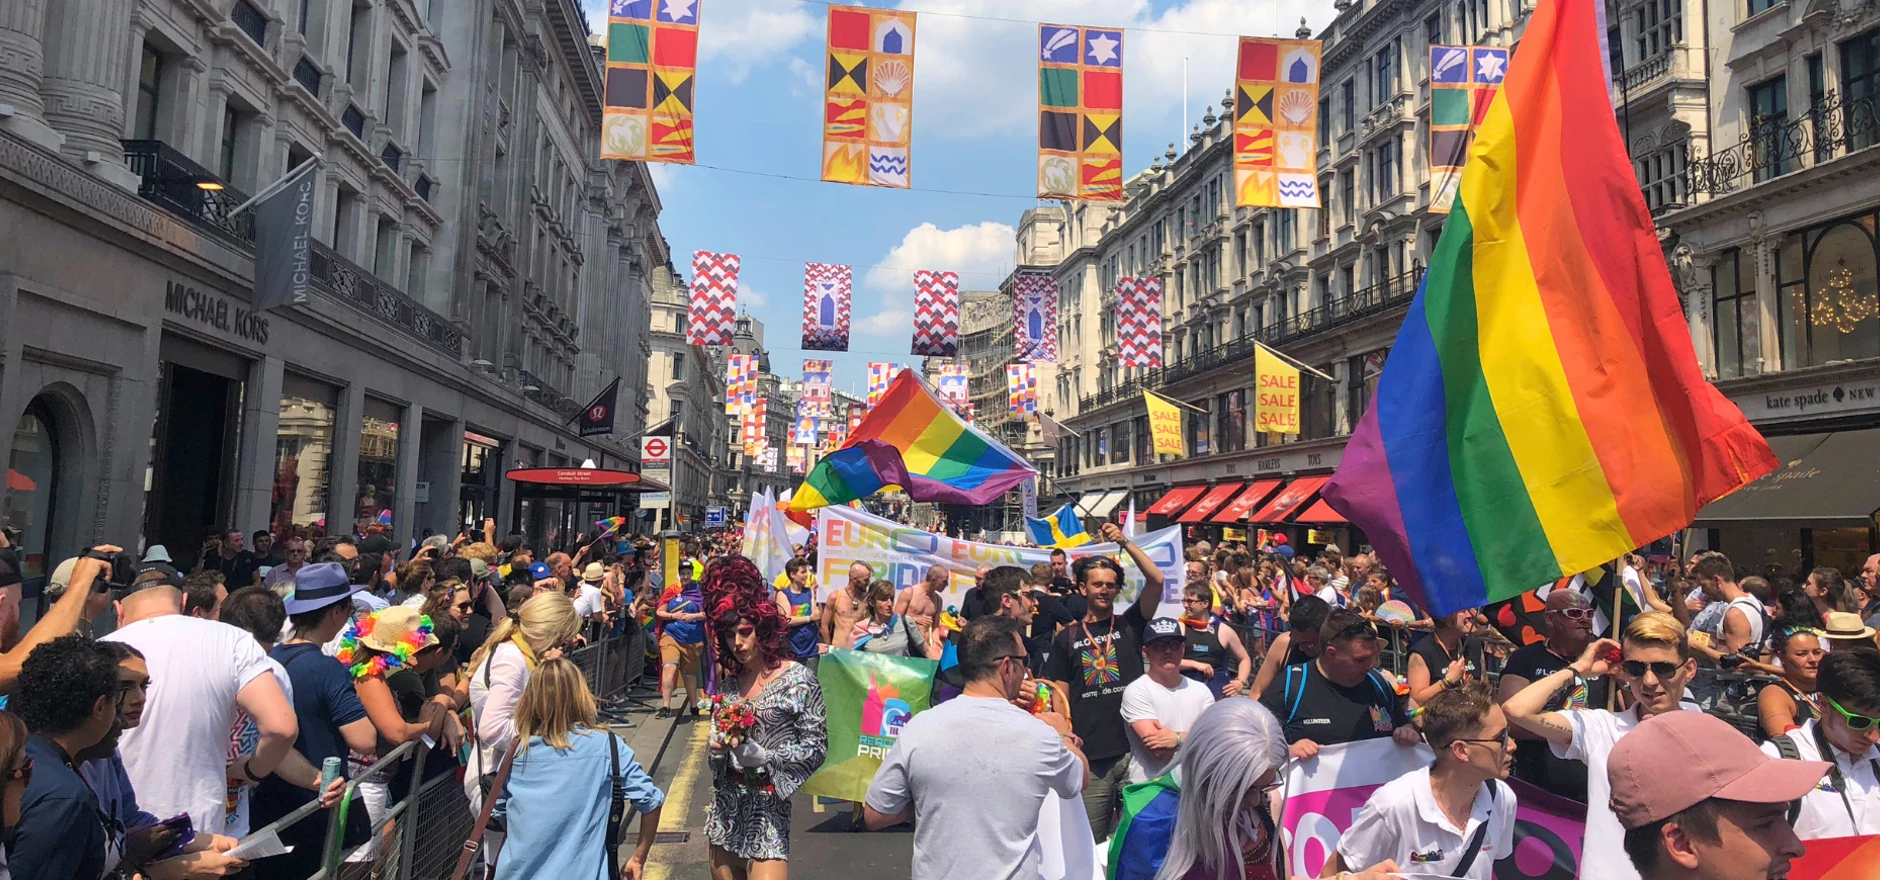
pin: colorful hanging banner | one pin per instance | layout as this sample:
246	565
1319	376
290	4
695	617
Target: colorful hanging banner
770	458
1139	322
1276	109
1463	80
868	107
1080	113
795	459
936	314
952	385
856	413
714	302
1276	393
1021	388
754	426
826	307
817	398
1034	306
737	368
1165	424
652	60
879	375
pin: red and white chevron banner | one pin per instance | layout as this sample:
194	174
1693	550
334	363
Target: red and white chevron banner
1034	307
826	307
714	304
1139	322
937	313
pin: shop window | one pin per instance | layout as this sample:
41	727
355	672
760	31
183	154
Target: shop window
1145	442
1196	425
1318	403
378	465
1120	445
32	481
1733	292
1860	86
1230	428
1827	302
303	456
1100	448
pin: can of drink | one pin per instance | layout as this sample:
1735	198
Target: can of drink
329	771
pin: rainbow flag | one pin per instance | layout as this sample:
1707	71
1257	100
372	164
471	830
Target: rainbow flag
912	441
608	525
1542	411
385	516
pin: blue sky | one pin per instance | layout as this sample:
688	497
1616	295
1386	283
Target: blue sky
759	109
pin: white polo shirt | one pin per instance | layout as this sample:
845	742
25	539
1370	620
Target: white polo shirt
1824	811
1403	822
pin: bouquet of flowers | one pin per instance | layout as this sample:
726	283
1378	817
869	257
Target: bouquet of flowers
733	720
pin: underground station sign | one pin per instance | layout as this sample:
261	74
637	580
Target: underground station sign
578	477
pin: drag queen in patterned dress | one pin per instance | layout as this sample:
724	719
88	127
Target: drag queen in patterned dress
754	778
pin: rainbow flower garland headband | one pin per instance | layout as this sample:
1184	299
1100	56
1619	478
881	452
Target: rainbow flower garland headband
381	661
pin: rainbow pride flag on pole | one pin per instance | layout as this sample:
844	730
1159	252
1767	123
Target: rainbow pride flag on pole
911	440
1542	411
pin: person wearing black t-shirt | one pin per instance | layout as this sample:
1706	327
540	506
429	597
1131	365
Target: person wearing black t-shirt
1092	660
1299	644
225	554
1445	658
1006	594
1340	697
1569	619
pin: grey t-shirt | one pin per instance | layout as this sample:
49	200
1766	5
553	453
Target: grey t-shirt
976	806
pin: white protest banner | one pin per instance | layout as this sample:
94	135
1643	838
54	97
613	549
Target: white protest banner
902	554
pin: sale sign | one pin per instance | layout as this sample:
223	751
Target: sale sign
1165	424
1276	394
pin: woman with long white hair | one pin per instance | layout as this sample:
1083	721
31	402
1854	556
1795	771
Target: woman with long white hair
1211	817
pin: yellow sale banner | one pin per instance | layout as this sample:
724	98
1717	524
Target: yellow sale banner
1165	424
1276	394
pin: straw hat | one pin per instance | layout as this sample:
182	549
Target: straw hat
396	627
1846	625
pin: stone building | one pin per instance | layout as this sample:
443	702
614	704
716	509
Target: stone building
688	404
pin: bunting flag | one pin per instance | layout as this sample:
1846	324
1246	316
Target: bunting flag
879	375
952	384
856	412
1060	530
1034	306
770	459
806	430
936	314
736	366
1463	80
1276	123
755	426
826	306
818	399
1021	388
1139	322
914	442
1542	410
795	458
1080	113
652	61
868	101
714	301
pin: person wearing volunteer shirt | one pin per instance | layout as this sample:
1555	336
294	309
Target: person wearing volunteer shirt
1339	697
1454	818
1655	664
978	813
1847	735
1699	802
1160	706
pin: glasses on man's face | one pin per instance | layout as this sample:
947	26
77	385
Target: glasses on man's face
1855	721
1023	660
461	606
1576	613
1661	668
1506	737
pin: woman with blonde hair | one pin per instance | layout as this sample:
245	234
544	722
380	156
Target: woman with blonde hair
559	799
500	670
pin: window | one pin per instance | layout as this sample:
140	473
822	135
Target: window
1826	297
1284	231
1196	424
359	36
1433	28
1384	74
1325	120
1099	448
1860	86
1615	51
33	470
1348	109
1661	176
1240	252
1119	447
1230	430
1347	280
303	452
1733	299
1756	6
1383	172
678	366
1657	26
1347	197
378	462
1145	442
149	79
1768	116
225	152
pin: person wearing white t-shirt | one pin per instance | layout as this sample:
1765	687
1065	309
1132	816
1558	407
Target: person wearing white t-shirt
1160	706
1454	818
590	602
978	804
1846	803
1655	664
201	673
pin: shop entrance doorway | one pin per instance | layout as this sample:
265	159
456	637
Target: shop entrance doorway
191	485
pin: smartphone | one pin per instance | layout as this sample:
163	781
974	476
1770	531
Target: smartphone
185	835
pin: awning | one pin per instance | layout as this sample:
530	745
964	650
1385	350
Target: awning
1824	481
1320	513
1210	502
1087	504
1288	500
1176	499
587	478
1237	509
1108	503
18	482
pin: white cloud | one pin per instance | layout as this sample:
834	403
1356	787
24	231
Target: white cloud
889	322
740	35
977	252
751	297
665	177
805	80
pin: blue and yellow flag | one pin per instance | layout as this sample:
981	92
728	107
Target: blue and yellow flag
1061	529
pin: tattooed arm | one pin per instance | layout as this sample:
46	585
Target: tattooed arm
1526	708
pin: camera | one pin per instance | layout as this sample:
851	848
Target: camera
120	570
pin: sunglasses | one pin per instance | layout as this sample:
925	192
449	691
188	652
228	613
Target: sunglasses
1576	613
24	773
1662	669
461	606
1855	722
1507	736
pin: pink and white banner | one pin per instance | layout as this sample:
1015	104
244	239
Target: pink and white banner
1139	322
936	314
714	302
1034	312
879	376
826	307
1323	796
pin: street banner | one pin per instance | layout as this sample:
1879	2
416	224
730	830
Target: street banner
1322	797
598	418
1028	497
902	555
1276	393
1276	123
869	698
1165	424
284	243
826	289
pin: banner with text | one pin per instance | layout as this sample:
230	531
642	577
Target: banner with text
1165	424
869	698
1276	394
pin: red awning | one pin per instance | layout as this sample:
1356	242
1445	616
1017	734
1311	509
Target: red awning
18	482
1176	499
1320	513
1216	497
1237	510
1288	500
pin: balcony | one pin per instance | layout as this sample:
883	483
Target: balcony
355	121
308	76
251	20
1831	131
171	181
1346	310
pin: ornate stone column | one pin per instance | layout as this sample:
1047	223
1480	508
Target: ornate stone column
84	77
1691	270
22	67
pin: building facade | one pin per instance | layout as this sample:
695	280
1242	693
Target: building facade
688	405
467	269
746	475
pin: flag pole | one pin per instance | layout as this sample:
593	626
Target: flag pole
1293	361
275	187
1176	403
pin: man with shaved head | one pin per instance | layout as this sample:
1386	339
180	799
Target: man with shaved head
921	602
845	608
1569	620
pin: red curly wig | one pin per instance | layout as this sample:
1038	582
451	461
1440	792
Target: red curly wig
735	591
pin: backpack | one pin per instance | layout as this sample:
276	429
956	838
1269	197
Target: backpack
1305	669
1790	752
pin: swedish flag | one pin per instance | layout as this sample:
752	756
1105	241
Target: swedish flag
1061	529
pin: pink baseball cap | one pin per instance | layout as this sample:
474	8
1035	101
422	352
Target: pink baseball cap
1672	762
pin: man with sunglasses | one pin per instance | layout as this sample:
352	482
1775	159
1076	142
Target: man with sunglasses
1569	621
1847	801
1655	664
1454	818
1340	697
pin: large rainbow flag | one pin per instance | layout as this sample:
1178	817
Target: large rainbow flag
911	440
1542	411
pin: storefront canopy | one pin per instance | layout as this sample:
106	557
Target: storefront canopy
1107	504
1237	509
1085	506
1824	481
1319	513
1210	502
1176	499
1288	500
587	478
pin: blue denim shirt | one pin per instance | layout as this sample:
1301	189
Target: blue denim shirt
557	807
